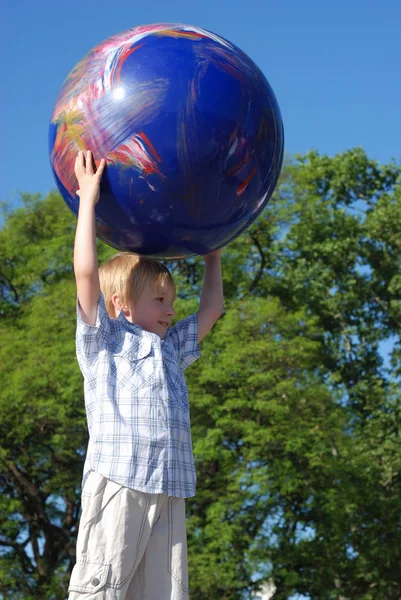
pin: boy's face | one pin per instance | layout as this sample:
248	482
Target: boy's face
153	310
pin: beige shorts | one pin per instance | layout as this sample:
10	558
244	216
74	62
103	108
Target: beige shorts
130	546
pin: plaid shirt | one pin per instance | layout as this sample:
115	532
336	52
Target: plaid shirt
136	403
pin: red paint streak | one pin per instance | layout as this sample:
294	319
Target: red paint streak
124	57
120	155
241	188
192	35
147	141
145	163
235	170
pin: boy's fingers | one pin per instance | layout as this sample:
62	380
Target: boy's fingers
89	163
101	167
79	162
84	163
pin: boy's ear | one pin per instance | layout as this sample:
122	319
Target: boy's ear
117	303
119	307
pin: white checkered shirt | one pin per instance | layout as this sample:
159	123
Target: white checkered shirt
136	403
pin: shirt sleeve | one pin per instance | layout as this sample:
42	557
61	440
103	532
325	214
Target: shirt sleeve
184	337
91	339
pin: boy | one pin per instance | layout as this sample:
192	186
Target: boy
139	466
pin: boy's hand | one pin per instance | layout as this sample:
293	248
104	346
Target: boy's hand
88	177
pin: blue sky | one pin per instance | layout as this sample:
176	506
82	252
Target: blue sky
334	66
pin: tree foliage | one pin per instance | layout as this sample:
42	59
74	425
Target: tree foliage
295	404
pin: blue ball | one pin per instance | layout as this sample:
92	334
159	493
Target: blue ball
191	132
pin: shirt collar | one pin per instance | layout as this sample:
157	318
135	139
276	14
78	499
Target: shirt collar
136	329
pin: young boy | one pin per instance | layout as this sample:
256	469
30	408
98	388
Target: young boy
139	466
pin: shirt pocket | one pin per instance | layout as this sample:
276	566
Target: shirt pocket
134	366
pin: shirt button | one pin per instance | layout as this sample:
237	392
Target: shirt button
95	581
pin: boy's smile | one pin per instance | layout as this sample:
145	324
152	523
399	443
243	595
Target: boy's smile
163	323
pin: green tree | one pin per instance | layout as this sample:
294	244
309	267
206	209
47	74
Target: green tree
330	528
42	424
295	413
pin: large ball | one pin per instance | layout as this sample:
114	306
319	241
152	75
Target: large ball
191	132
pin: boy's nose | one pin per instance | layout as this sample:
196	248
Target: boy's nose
170	311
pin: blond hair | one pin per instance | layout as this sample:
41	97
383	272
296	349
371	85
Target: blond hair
126	274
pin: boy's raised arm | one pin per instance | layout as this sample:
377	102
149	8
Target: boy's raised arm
85	253
211	304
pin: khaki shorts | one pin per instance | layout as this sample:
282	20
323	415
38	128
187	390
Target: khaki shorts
131	545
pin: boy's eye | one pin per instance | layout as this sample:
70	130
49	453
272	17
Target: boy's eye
160	299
